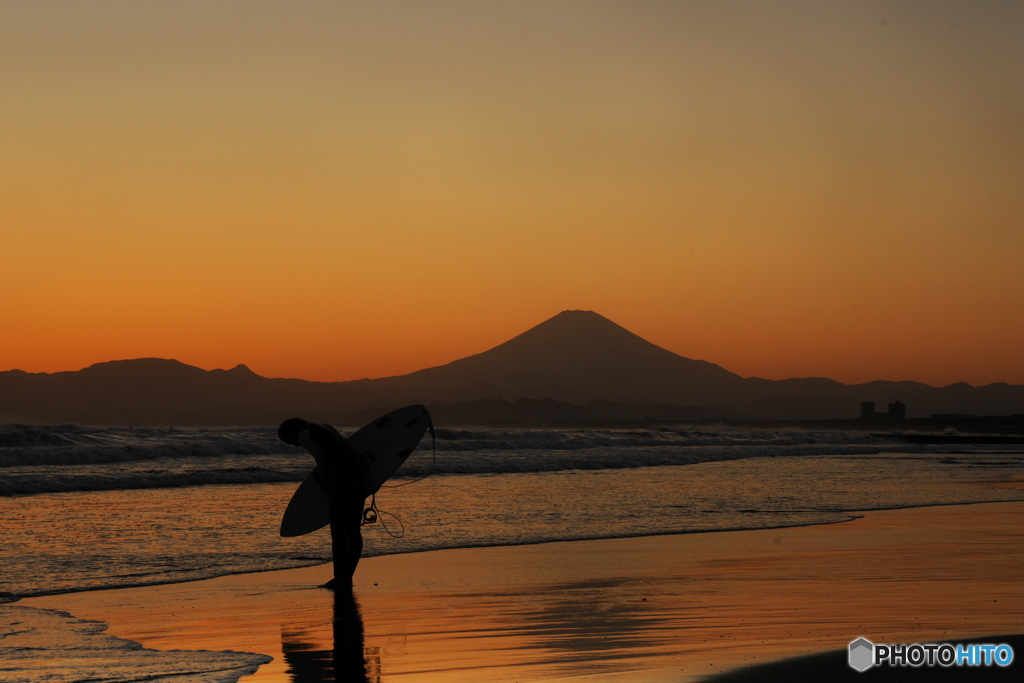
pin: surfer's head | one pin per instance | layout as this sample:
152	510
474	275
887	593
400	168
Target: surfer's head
290	429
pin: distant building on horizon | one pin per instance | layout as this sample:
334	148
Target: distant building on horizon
897	411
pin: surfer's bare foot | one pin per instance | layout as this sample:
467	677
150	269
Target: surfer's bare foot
338	583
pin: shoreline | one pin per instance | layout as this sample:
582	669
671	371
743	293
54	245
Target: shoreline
853	515
651	608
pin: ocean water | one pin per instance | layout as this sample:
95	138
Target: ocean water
91	508
87	508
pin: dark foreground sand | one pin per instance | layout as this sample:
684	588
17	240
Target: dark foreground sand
668	608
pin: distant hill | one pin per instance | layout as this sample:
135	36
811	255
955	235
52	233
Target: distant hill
577	365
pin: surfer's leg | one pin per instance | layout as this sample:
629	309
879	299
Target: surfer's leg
346	539
341	546
352	520
355	538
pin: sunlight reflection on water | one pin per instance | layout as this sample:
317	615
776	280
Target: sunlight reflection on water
73	541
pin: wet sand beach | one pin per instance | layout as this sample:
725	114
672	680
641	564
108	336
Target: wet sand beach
661	608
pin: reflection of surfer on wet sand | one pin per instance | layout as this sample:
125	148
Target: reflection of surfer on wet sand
347	658
347	472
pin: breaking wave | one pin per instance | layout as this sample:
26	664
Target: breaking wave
73	445
72	458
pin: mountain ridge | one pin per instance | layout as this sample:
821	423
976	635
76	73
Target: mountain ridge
574	358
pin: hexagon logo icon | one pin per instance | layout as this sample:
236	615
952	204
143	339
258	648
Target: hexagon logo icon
862	654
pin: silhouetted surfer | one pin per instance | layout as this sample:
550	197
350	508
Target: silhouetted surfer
344	484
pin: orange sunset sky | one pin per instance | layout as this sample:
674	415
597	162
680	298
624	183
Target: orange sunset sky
335	190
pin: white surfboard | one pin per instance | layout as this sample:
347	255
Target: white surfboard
379	449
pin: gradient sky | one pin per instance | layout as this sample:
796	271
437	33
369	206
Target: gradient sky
334	190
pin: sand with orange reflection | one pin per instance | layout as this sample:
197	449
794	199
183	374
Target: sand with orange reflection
669	608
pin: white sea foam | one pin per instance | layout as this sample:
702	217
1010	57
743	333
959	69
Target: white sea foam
49	645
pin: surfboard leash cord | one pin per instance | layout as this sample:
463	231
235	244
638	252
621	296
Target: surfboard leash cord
373	514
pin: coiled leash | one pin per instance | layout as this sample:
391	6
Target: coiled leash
373	514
